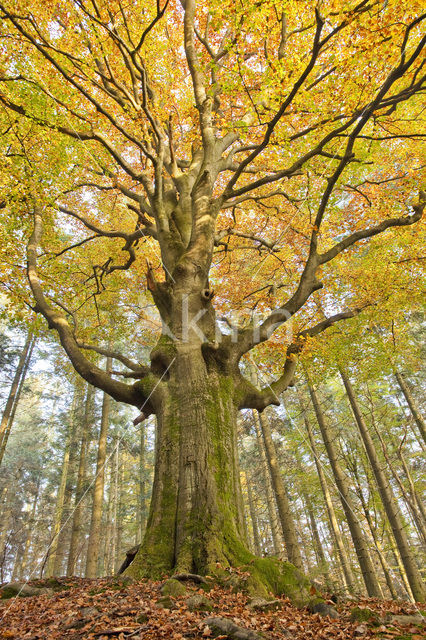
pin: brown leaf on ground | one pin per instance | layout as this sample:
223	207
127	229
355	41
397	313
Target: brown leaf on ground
105	608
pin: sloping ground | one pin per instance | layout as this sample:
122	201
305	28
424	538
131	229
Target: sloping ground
80	609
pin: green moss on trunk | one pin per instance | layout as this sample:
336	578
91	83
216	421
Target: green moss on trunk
196	521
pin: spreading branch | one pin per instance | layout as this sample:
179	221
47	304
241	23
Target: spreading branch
253	398
57	320
363	234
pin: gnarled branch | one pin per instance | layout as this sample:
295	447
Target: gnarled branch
56	320
253	398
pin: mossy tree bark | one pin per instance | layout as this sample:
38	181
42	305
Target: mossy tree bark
196	517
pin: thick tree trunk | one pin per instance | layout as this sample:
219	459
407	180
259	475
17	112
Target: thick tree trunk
360	544
196	514
98	490
284	510
418	418
389	502
195	389
344	560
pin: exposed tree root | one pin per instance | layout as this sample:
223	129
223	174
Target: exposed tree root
223	626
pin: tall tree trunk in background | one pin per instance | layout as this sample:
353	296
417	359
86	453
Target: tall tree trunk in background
398	563
80	489
418	418
253	517
270	499
118	516
30	530
111	517
360	544
304	534
51	562
29	526
344	560
17	561
142	480
67	512
281	496
318	548
6	517
6	434
15	392
386	568
107	535
413	500
115	511
416	502
98	490
373	531
35	551
389	502
411	497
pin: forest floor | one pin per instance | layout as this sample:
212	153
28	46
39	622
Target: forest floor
81	609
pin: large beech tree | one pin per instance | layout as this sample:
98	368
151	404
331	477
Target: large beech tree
187	132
